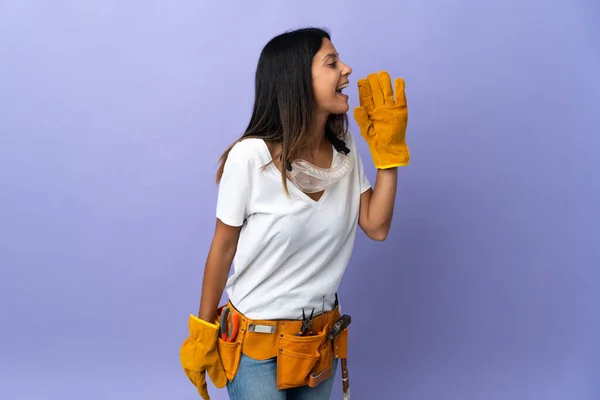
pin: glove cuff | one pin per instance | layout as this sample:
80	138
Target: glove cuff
202	331
390	166
196	319
386	156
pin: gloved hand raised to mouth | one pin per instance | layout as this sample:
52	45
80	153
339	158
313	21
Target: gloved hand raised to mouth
382	119
199	355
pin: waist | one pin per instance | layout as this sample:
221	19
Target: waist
266	305
259	338
287	326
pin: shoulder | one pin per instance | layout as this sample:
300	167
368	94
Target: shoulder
249	152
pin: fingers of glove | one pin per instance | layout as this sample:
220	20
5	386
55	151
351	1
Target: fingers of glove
198	379
399	86
362	117
376	90
364	94
203	391
217	374
386	86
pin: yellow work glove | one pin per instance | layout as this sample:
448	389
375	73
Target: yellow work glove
382	119
199	355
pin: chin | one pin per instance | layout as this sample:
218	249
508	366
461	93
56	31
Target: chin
341	109
344	109
337	109
339	112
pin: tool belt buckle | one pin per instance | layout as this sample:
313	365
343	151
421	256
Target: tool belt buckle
262	328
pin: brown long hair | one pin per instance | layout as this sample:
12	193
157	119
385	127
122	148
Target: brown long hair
284	104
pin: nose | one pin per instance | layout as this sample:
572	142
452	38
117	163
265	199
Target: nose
347	70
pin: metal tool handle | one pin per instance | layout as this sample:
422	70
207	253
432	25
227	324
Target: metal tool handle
339	326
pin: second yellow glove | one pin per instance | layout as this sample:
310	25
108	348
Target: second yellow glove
199	355
383	119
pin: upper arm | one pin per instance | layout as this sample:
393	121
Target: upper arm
363	214
225	239
366	191
372	231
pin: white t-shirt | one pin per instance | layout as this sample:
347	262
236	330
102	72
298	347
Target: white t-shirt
292	252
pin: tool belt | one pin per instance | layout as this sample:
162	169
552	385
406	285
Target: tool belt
301	360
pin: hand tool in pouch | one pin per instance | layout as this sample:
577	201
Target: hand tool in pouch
234	326
228	331
306	329
223	323
337	328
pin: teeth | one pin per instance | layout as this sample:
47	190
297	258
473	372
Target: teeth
340	88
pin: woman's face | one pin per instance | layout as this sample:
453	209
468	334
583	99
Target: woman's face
329	77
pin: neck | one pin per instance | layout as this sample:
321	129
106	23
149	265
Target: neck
317	134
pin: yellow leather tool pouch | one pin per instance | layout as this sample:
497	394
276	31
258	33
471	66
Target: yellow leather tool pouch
301	356
301	360
230	352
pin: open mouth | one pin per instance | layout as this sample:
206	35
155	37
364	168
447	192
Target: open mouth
341	87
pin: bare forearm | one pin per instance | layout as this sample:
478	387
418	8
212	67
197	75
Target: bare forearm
216	272
381	203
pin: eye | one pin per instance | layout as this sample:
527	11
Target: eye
333	64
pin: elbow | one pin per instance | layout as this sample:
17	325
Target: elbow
377	231
378	235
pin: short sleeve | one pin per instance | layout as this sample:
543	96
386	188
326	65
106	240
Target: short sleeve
234	189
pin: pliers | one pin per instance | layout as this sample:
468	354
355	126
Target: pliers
229	336
306	324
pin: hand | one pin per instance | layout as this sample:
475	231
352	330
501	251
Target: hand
199	356
383	119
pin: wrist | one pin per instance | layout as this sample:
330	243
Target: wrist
207	316
388	173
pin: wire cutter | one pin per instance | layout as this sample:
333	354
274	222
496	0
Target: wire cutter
229	335
306	324
233	328
223	322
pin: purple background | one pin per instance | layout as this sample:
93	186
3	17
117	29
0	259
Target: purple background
113	114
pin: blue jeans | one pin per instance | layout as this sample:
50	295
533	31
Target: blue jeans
257	380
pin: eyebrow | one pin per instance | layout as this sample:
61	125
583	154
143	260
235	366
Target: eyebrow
332	55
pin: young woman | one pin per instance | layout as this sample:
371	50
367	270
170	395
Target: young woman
292	193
